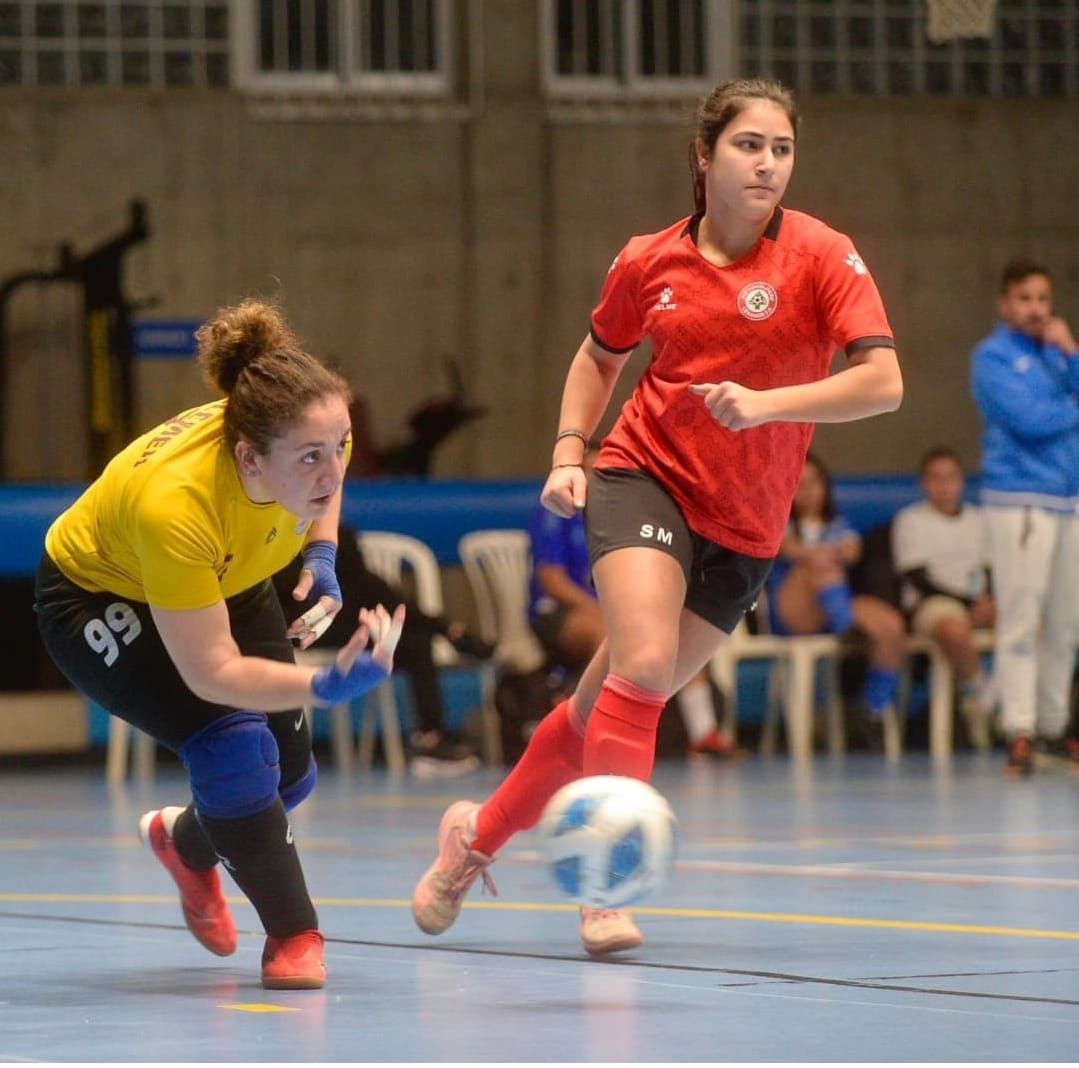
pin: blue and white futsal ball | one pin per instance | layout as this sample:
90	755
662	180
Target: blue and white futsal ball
609	840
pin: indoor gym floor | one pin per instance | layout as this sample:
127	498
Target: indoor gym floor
848	911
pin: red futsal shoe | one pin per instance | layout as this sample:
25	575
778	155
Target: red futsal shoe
206	911
294	963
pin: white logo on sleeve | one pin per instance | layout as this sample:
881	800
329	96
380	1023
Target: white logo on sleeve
666	300
654	533
758	300
856	263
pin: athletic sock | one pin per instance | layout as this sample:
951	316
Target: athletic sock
880	689
195	849
260	856
698	709
835	603
621	737
554	756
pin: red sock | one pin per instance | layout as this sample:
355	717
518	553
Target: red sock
553	758
621	738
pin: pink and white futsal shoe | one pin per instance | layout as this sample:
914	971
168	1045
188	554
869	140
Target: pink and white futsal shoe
608	931
436	901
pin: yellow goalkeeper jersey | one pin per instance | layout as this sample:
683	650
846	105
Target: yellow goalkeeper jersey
168	523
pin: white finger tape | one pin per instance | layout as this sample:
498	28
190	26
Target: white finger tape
320	627
385	632
313	615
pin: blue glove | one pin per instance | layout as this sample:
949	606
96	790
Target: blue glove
320	558
332	686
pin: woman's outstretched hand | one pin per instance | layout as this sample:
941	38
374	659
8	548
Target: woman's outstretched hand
354	670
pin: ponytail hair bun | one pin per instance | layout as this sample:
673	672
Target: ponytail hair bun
237	337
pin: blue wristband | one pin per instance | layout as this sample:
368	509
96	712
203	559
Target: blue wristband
331	686
320	558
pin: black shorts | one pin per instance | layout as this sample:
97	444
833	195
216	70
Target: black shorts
111	651
627	508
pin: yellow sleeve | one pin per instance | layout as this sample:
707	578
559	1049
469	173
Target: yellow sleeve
178	556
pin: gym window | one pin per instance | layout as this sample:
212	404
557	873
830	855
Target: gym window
390	46
150	43
881	47
607	48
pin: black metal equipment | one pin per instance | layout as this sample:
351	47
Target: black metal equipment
106	331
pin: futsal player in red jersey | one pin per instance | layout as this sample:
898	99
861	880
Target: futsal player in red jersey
745	303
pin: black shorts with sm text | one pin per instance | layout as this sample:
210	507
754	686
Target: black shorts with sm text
628	508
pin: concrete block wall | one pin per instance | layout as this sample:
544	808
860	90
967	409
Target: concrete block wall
484	231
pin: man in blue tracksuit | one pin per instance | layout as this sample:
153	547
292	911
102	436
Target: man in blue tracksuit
1025	379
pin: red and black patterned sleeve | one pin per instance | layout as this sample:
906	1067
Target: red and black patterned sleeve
617	321
848	298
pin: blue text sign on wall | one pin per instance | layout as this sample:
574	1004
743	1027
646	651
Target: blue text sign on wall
165	338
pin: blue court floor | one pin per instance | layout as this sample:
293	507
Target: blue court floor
850	912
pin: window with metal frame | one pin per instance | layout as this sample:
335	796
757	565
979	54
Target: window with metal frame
393	46
114	42
607	48
881	47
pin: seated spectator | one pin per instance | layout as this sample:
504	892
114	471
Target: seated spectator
940	551
566	618
809	593
434	751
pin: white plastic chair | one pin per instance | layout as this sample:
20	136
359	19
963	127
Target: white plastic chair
124	739
498	564
389	555
384	703
791	684
942	688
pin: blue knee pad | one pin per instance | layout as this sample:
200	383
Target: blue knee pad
294	793
234	766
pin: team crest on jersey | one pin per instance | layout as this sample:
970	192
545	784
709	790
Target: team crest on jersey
758	300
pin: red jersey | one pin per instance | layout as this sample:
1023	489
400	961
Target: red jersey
773	318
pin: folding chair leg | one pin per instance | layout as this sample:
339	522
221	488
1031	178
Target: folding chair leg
367	732
777	685
941	691
492	722
383	703
341	737
837	728
799	705
391	727
144	757
724	674
116	754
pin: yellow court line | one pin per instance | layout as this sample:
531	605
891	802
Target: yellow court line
641	910
258	1008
